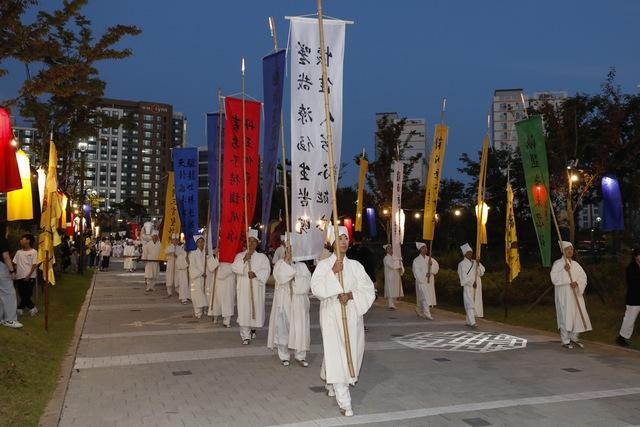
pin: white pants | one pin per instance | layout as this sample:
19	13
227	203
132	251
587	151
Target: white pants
343	397
245	332
391	302
151	284
284	354
226	320
568	336
630	316
469	305
422	300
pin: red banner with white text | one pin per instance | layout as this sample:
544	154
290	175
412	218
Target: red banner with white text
232	223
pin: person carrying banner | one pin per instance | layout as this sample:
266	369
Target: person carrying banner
279	252
357	295
569	281
420	271
129	253
201	268
393	270
252	270
470	280
632	300
181	282
170	276
150	256
289	323
224	295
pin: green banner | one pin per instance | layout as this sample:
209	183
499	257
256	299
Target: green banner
536	173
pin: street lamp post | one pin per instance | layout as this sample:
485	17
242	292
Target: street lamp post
82	147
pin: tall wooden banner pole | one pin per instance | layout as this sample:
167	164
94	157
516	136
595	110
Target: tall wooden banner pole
246	208
274	35
46	290
332	183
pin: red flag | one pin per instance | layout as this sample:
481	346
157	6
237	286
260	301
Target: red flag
9	172
232	229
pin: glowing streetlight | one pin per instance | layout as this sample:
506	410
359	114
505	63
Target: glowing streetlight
457	212
574	177
385	211
416	215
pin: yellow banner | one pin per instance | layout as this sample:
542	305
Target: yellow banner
20	202
512	257
171	220
483	213
433	181
51	212
364	164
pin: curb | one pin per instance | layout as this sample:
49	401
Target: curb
53	410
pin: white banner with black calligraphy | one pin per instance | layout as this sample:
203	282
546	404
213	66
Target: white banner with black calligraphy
310	188
397	224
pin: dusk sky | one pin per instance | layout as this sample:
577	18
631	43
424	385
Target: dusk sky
400	56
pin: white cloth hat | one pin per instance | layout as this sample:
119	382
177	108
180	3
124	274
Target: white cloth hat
198	237
564	244
385	247
253	233
155	233
420	245
465	248
331	234
283	237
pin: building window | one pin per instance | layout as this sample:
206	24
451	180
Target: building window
148	118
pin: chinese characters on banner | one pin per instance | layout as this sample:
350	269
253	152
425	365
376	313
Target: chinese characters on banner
397	216
273	84
232	224
433	181
215	121
364	164
185	168
482	210
310	189
171	218
533	152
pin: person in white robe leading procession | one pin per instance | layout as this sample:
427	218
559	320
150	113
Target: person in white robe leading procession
357	296
470	272
289	325
201	270
570	281
252	270
393	270
150	256
170	275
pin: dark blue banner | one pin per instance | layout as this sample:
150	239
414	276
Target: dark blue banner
612	215
215	136
272	84
185	167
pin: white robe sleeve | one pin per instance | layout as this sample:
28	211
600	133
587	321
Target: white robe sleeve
363	292
238	264
466	273
170	249
212	263
559	276
480	269
283	272
579	276
435	267
302	280
261	266
324	282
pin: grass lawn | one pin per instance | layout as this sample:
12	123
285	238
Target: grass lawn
30	357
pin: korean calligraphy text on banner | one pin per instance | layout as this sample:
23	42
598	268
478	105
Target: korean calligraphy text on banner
232	223
310	189
533	153
397	222
171	218
185	168
215	129
512	258
433	181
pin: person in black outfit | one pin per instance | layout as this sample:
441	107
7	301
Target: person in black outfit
633	299
363	255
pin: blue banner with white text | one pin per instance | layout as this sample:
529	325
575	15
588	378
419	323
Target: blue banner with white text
185	167
215	136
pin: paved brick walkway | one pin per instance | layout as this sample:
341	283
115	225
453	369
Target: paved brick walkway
144	360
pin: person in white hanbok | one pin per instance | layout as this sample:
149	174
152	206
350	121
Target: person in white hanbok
128	254
224	295
569	281
356	294
170	275
289	320
252	270
182	274
393	271
278	254
471	283
151	256
201	269
421	270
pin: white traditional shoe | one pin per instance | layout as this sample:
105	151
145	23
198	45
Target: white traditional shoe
284	362
331	392
302	363
577	344
428	317
245	342
569	346
215	320
347	412
253	334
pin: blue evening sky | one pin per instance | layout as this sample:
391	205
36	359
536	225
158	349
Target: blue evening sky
400	56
